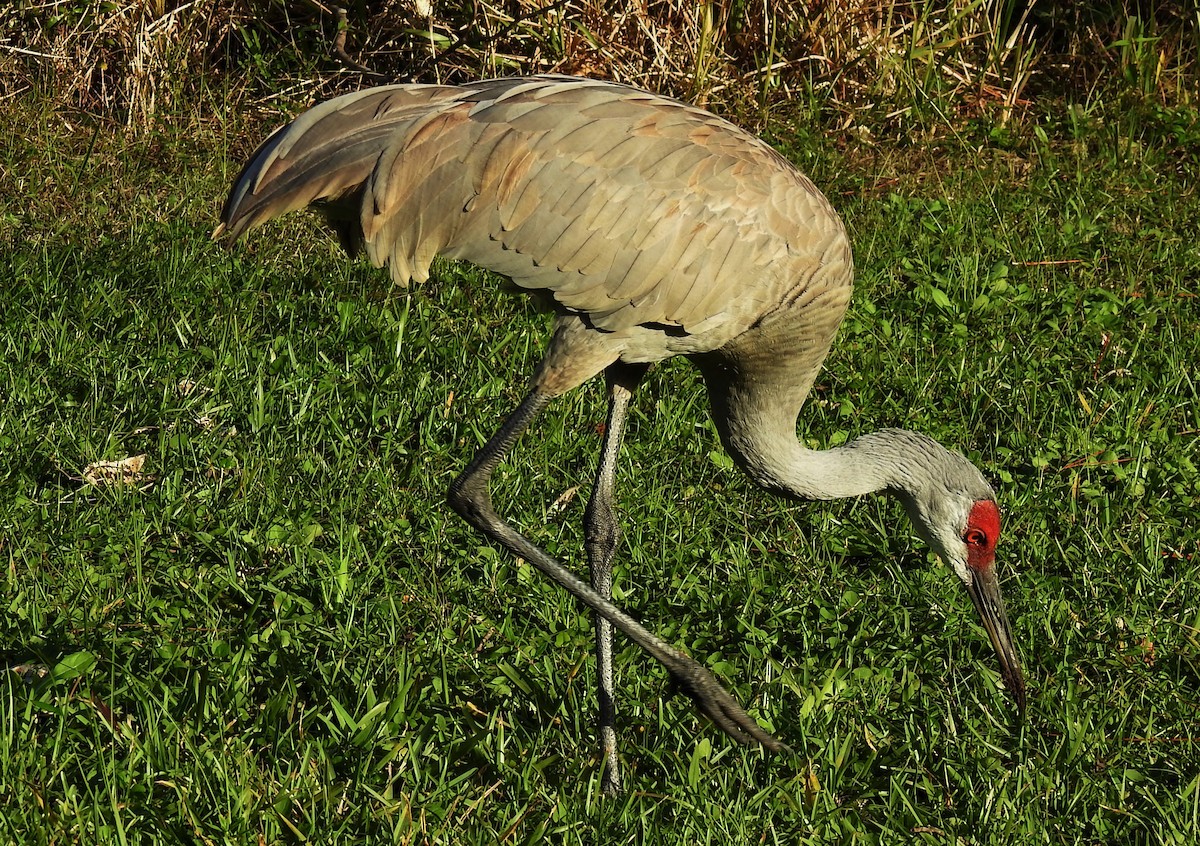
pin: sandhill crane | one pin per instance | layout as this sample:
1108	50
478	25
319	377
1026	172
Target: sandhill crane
652	229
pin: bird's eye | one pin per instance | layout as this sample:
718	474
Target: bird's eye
974	537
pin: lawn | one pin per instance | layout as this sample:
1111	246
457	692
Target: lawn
277	631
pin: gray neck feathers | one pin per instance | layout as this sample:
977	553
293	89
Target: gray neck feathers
756	416
894	461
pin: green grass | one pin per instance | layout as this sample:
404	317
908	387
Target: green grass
286	636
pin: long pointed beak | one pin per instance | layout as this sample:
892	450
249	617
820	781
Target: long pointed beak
985	593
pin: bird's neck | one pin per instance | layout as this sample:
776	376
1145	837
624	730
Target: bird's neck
755	404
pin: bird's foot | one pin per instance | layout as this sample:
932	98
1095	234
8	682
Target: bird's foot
715	702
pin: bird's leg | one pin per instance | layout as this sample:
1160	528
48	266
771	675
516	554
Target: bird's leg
601	533
469	497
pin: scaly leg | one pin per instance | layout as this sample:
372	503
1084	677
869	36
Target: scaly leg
601	533
469	497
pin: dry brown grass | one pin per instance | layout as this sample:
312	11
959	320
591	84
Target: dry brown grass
136	59
130	58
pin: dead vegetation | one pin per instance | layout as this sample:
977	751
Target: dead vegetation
134	59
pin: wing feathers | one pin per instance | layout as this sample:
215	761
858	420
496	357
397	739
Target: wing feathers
619	205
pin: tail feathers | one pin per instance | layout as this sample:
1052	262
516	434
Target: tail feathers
323	157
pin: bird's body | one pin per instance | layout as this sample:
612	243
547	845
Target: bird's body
670	234
652	229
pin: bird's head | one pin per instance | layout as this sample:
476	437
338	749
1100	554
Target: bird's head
955	512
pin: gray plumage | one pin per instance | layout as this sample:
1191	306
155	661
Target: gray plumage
652	229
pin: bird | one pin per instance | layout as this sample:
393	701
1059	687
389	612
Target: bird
651	229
